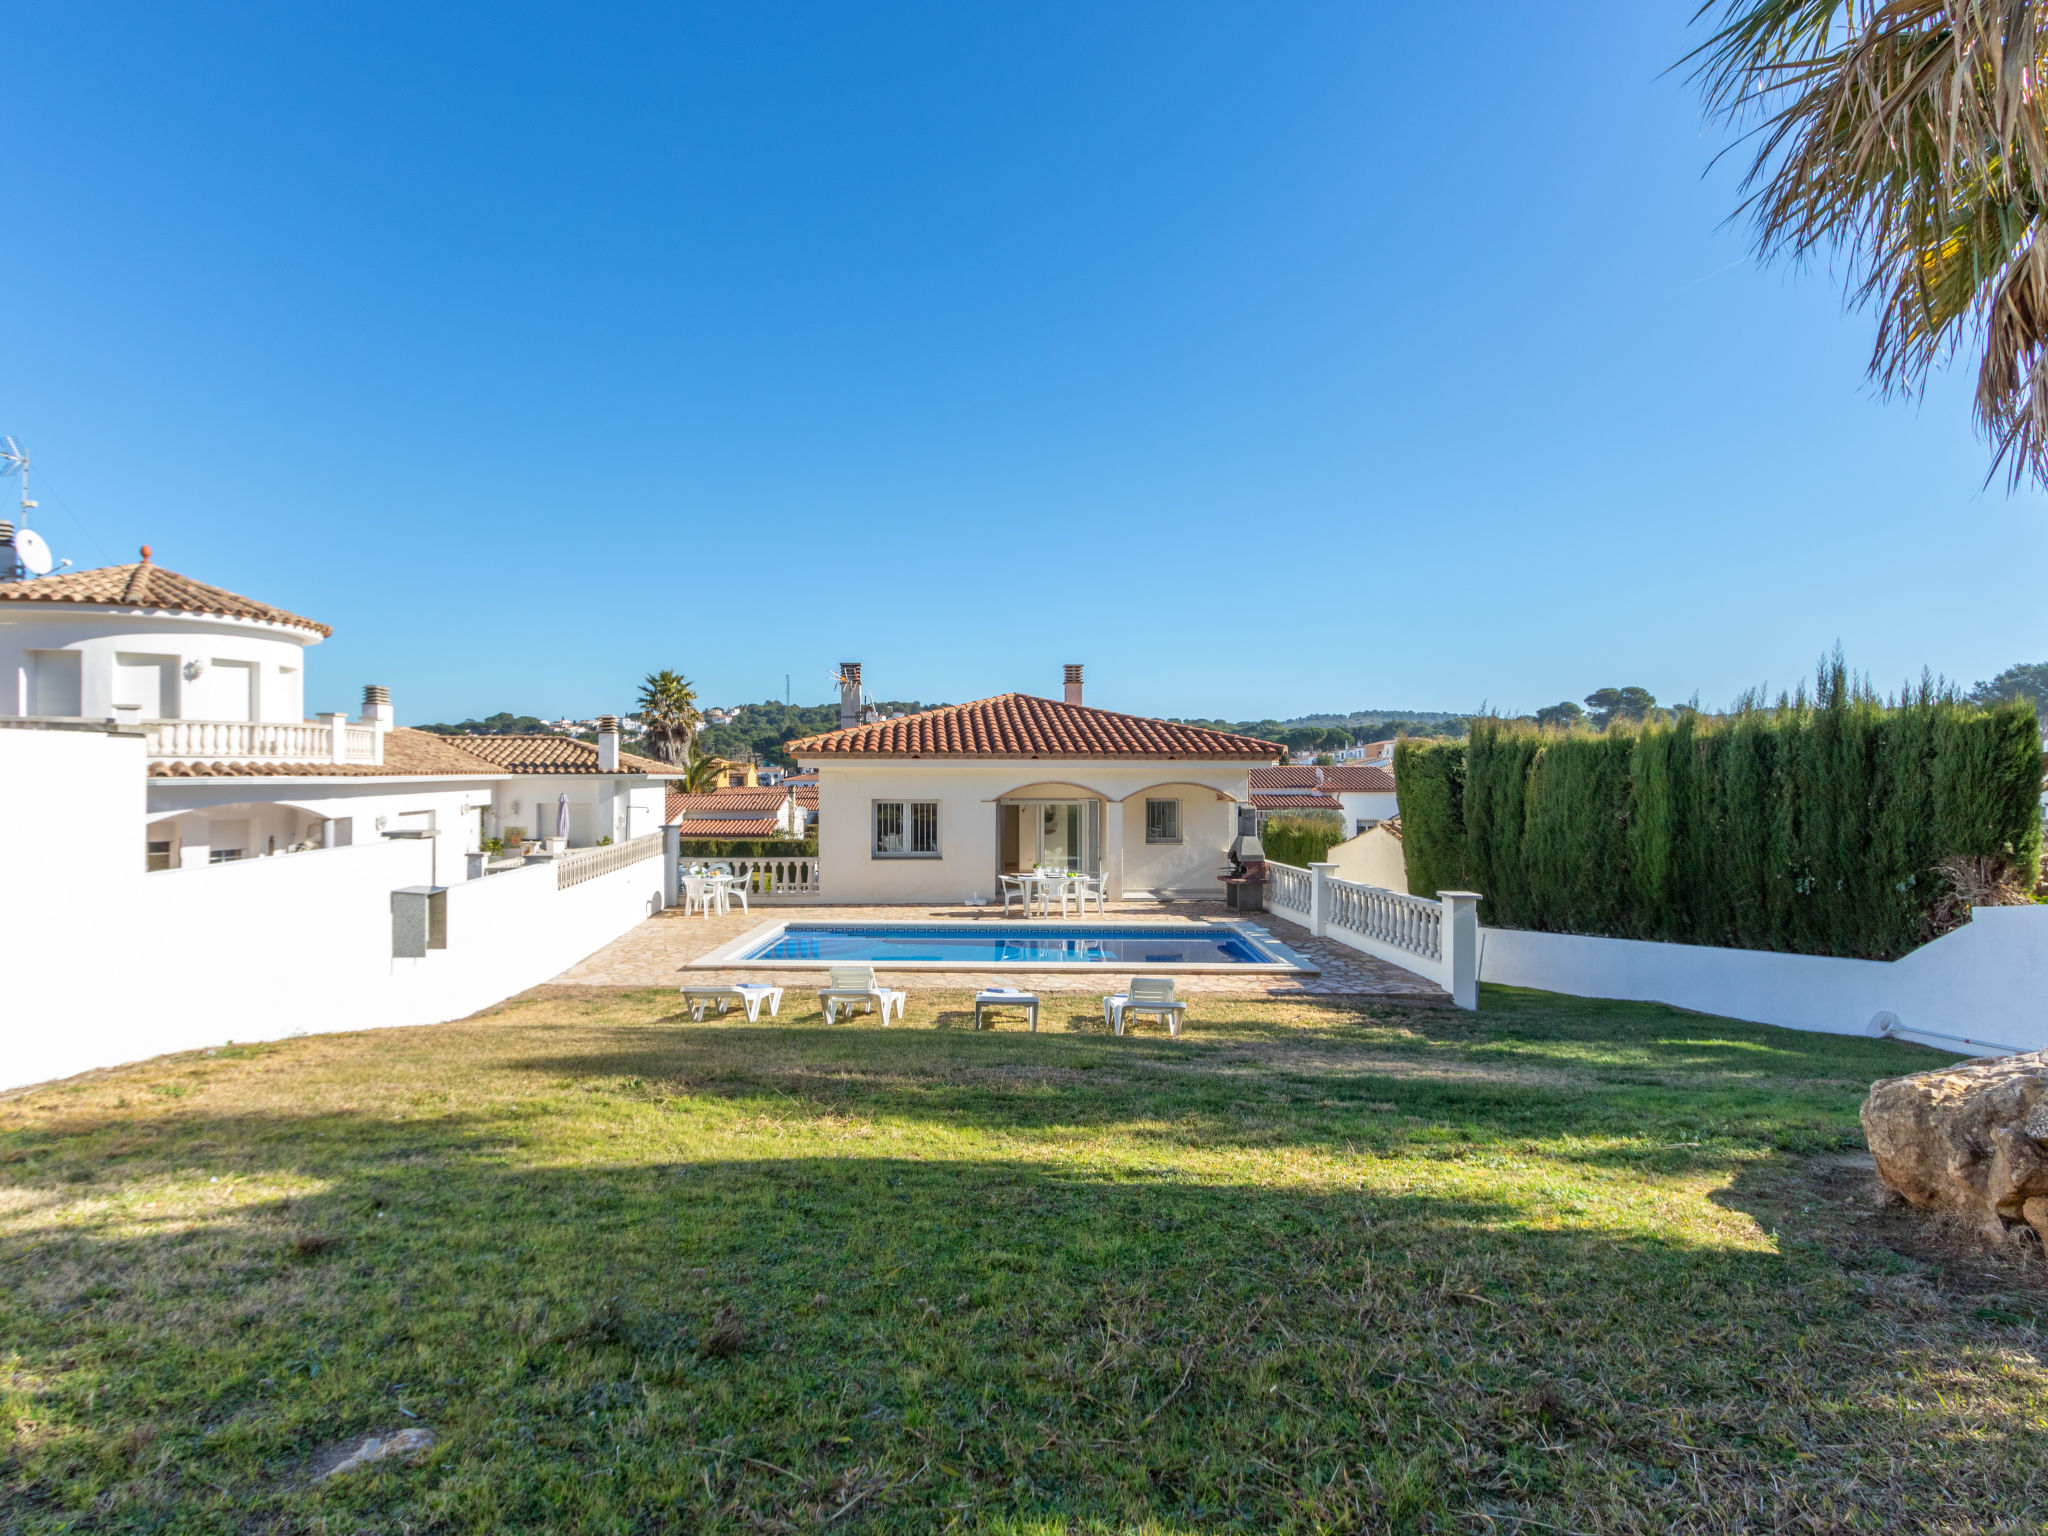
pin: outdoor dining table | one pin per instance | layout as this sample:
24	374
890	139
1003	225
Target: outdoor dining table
718	880
1044	882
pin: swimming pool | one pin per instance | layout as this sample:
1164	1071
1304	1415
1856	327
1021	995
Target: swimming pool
978	945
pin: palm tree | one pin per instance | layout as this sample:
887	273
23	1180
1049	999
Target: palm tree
669	715
700	772
1909	137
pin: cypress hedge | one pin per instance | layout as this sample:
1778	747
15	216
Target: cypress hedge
1301	838
1845	825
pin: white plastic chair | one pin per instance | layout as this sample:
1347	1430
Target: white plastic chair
699	892
1016	888
1147	994
1057	885
1090	885
850	984
733	885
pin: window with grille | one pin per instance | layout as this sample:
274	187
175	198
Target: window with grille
1162	821
906	829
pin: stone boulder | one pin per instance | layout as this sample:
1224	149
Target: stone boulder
1971	1139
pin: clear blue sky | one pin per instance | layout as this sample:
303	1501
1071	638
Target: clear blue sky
533	349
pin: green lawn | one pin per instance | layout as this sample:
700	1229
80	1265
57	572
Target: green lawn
1318	1266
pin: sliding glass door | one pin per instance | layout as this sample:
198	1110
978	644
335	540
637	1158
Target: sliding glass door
1062	834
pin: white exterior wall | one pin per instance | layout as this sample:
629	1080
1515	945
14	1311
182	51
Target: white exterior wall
1374	857
969	836
1359	807
1984	981
600	806
274	653
113	964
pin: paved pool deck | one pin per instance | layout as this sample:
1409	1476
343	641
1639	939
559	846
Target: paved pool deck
654	952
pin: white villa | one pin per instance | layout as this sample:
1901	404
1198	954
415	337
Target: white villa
215	683
937	806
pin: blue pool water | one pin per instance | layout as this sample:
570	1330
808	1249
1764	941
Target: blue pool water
1038	944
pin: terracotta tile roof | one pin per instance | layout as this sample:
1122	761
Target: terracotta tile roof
144	585
1298	801
766	826
807	795
1344	778
1022	725
405	752
725	804
551	755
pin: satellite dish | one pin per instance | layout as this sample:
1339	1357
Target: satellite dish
32	551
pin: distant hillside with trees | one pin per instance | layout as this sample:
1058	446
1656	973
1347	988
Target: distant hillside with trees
1332	733
764	729
501	724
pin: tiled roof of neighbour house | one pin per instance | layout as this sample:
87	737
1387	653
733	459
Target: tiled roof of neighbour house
1015	725
144	585
806	794
406	752
553	755
725	803
1344	778
766	826
1299	800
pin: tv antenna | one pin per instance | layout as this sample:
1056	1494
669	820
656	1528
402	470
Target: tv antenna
31	550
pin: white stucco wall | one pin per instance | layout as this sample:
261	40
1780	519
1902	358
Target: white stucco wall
1372	858
231	652
1367	807
968	794
108	963
1985	980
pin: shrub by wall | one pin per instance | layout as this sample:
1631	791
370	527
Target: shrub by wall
1301	838
749	848
1847	826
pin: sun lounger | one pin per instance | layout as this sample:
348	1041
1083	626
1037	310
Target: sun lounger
1006	997
850	984
1148	994
749	994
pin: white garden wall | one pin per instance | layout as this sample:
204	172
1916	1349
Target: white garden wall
1985	981
106	963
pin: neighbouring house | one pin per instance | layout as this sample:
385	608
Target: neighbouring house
1361	792
937	805
189	859
1374	857
804	785
769	811
215	684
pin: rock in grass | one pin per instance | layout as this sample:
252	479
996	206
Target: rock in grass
372	1448
1971	1139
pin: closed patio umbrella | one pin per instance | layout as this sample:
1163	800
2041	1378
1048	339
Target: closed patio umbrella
561	815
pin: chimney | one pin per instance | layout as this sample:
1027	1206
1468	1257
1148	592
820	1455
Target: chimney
849	695
377	706
1073	682
607	743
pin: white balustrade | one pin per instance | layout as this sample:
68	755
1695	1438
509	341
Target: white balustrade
1289	889
257	741
768	876
581	864
1406	922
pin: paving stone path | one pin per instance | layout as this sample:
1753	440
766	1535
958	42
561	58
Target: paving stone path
653	953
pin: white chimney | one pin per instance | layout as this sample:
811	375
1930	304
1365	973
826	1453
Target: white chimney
849	694
1073	682
607	743
377	706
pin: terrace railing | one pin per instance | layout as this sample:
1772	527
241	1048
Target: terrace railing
260	741
581	864
1289	889
1438	940
770	877
1406	922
